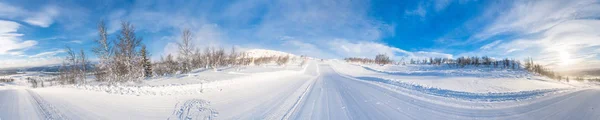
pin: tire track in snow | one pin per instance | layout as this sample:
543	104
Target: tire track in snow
49	111
194	109
287	115
561	107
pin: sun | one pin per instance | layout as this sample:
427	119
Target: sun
565	58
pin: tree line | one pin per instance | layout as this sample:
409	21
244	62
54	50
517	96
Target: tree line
126	58
464	61
380	59
191	57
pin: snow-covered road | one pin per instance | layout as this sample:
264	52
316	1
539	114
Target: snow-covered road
20	104
17	104
318	92
336	97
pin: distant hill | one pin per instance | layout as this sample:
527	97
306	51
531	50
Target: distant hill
256	53
589	72
51	68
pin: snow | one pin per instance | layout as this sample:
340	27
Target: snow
473	80
318	90
195	108
256	53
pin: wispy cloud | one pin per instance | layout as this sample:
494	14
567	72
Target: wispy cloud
490	45
29	62
249	23
419	11
44	18
76	41
424	8
559	33
47	54
9	11
11	41
367	49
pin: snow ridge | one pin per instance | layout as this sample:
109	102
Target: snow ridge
440	71
489	97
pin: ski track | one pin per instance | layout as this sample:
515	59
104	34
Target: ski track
17	104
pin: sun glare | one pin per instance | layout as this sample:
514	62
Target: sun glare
565	58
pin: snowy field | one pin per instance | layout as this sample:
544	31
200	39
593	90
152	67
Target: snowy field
333	90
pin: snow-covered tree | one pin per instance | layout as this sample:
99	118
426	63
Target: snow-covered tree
127	58
104	51
146	64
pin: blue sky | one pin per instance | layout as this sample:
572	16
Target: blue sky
558	33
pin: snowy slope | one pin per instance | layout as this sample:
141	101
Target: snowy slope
474	80
320	90
256	53
335	97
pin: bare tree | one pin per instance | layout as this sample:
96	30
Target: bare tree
282	60
103	50
127	58
383	59
185	50
83	66
233	57
68	73
73	70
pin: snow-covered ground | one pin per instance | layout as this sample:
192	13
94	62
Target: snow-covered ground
257	53
318	90
470	79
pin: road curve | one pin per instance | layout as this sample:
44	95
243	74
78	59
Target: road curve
336	97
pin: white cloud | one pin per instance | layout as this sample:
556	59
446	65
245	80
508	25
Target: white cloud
440	5
29	62
44	18
76	41
534	16
561	34
368	49
419	11
573	44
299	47
426	54
113	22
9	11
47	54
255	22
423	8
11	41
490	45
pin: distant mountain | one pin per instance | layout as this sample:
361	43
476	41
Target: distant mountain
588	72
51	68
256	53
594	72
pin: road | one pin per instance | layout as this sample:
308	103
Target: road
319	93
17	104
335	97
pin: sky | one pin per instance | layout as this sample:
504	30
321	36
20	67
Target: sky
562	34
